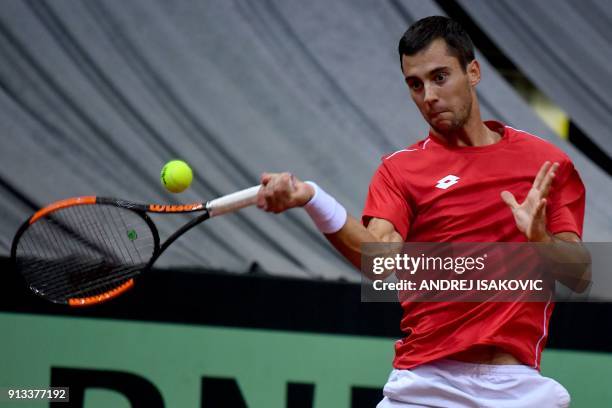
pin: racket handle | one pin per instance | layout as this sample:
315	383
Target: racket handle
233	202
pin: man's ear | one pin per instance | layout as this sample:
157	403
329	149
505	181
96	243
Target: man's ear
473	72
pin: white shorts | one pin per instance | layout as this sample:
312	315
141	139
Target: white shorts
454	384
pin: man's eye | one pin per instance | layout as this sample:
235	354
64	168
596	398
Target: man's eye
414	85
441	77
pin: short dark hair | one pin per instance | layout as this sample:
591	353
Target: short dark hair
422	33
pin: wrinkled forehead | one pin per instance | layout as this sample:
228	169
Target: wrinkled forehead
430	59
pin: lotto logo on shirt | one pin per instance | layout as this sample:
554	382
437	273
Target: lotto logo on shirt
447	181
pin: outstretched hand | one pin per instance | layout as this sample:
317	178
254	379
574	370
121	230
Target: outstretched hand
530	215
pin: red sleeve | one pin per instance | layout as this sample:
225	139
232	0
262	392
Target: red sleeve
567	200
388	201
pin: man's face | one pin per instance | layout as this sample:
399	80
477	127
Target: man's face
441	89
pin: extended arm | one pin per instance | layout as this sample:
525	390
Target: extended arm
282	191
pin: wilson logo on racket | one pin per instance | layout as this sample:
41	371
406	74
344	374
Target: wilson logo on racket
176	208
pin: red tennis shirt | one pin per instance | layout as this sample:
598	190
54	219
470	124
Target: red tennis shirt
433	192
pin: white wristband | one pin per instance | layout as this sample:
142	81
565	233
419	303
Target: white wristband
328	214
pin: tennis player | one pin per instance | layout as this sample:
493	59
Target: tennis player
469	181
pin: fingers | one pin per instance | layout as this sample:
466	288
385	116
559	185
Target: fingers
545	176
541	210
265	178
261	201
276	194
541	174
509	199
548	179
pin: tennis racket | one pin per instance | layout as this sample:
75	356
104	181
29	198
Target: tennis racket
86	250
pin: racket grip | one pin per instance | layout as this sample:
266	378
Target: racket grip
232	202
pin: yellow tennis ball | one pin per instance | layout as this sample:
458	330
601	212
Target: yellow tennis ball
176	176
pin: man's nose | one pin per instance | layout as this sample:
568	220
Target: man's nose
430	94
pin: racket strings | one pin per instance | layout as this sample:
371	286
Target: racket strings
83	250
90	287
54	284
